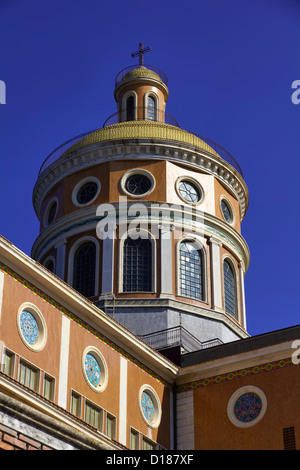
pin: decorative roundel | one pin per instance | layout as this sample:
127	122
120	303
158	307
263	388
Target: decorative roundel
86	191
226	211
247	406
137	183
32	327
150	407
95	369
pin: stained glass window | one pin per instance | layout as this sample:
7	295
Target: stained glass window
190	271
29	327
137	184
147	407
92	369
229	289
137	265
87	192
189	192
84	269
151	108
247	407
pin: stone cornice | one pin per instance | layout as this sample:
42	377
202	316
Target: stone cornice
176	145
86	219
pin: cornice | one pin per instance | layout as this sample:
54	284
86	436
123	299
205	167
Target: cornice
87	219
172	144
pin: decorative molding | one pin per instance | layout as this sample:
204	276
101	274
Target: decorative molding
228	377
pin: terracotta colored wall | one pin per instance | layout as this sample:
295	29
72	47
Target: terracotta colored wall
214	430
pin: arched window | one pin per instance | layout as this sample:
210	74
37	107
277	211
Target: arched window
151	109
130	108
191	271
229	289
84	269
137	265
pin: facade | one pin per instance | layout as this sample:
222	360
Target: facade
126	328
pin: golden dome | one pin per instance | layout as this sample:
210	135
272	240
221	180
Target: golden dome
141	72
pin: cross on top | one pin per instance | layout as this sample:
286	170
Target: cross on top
141	53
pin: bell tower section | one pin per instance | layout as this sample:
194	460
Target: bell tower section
144	218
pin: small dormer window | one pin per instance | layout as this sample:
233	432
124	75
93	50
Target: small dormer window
151	109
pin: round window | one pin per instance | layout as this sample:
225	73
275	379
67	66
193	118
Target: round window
150	407
86	191
32	327
137	183
226	211
189	192
247	406
95	369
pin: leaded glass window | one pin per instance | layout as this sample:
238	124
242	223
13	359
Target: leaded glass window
147	407
137	184
189	192
247	407
229	289
29	327
92	369
130	109
226	211
137	265
190	271
87	192
151	109
84	269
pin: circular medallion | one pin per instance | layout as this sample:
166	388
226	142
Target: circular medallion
29	327
92	369
247	407
189	192
150	407
147	407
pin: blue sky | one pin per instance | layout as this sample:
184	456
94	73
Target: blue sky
230	65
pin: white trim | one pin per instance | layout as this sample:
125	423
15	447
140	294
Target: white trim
157	406
1	290
123	401
42	327
72	252
64	362
137	171
47	210
241	391
101	386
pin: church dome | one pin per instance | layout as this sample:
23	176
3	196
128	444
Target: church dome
141	72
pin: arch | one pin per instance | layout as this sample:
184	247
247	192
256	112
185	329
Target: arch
137	262
83	266
191	269
49	263
230	287
129	106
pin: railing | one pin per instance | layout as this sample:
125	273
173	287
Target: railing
141	113
159	72
177	336
220	151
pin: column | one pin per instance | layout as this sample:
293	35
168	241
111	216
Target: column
108	264
166	260
242	291
216	276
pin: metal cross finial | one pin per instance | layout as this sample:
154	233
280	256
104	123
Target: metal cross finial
141	53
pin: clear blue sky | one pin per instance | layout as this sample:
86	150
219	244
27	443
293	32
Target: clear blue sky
230	65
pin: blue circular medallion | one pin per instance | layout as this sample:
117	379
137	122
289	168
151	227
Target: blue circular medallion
247	407
147	407
29	327
92	369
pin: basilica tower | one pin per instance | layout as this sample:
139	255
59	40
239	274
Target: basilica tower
144	219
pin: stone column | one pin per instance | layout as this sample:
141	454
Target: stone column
108	264
166	260
216	276
60	259
242	293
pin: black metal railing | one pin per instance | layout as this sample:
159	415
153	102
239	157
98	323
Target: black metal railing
177	336
156	70
141	113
